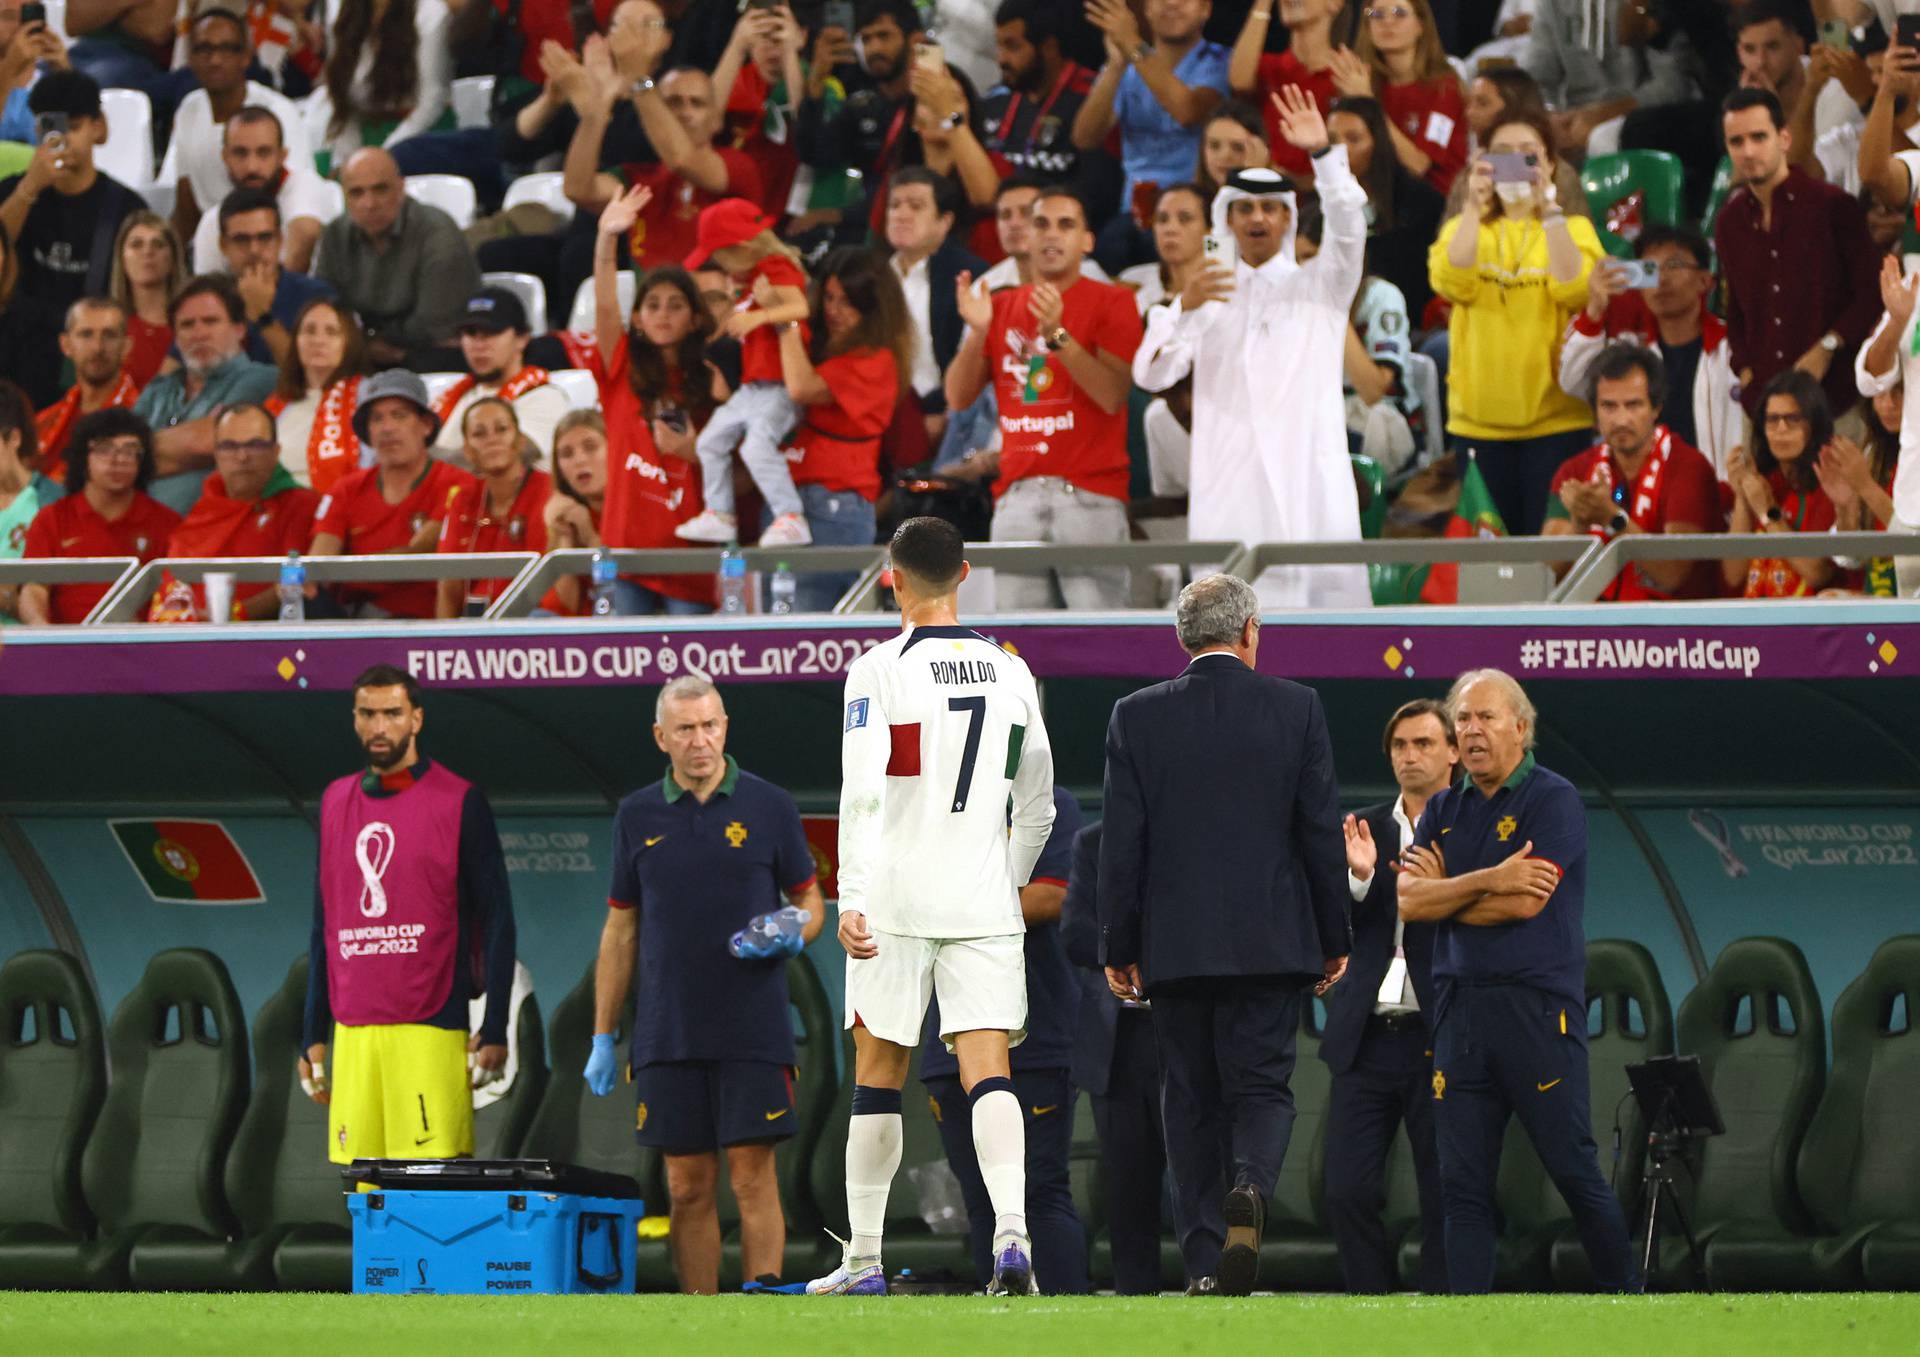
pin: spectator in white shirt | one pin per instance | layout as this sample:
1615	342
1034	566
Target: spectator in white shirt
219	49
921	206
390	64
1885	361
254	153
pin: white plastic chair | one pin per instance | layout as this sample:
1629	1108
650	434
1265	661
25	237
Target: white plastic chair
581	317
57	19
547	188
472	99
448	192
531	292
127	154
439	383
583	393
336	200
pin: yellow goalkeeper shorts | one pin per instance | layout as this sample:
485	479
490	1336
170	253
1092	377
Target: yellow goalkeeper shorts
399	1092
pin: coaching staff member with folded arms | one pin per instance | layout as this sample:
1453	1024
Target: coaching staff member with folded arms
1499	862
1376	1041
1223	899
696	856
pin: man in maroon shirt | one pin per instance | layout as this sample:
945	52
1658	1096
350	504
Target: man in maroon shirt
1802	291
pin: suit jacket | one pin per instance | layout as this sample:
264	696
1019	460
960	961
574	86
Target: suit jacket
1350	1003
1222	853
944	266
1099	1015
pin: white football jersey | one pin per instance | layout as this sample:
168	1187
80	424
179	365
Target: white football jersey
940	726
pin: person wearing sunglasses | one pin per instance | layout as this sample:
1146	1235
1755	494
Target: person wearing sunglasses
250	506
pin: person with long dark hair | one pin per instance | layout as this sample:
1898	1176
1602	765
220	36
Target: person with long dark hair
1403	209
105	512
319	390
847	385
505	510
1179	239
658	391
389	73
1776	488
1858	478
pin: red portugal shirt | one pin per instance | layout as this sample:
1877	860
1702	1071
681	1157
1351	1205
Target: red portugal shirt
280	520
471	527
649	494
760	350
668	228
1433	114
1676	485
1803	511
837	445
1048	425
358	514
1275	72
749	112
71	527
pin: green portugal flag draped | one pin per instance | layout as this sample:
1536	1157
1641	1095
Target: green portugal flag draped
193	862
1473	516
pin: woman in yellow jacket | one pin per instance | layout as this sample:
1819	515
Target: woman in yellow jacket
1515	267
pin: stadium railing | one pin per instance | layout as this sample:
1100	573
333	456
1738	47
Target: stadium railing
124	601
1590	577
74	570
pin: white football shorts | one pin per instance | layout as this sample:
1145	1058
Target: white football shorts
981	984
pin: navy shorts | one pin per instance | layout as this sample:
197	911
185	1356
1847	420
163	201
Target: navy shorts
693	1105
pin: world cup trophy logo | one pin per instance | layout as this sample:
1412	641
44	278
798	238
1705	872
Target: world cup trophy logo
373	851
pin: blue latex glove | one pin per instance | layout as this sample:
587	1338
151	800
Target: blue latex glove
600	1065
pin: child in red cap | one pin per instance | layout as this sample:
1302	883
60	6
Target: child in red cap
739	238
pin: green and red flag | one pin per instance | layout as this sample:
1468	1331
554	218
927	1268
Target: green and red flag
1473	516
192	862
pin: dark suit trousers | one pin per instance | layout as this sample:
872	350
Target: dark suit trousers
1226	1059
1133	1155
1500	1051
1391	1080
1059	1243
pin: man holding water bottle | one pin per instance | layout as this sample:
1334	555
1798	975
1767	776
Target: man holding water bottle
701	861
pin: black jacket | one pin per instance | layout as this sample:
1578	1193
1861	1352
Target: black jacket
1350	1003
1222	853
1099	1015
944	266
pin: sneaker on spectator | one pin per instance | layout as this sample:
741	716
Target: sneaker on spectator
708	526
788	530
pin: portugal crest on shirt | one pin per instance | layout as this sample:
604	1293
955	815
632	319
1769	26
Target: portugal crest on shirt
736	834
1506	827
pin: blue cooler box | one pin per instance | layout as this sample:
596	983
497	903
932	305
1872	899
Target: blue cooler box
481	1243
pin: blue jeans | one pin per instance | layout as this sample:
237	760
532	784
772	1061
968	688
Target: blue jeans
837	518
633	599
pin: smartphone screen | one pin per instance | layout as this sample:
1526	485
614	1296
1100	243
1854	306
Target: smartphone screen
838	14
32	13
1907	30
1511	167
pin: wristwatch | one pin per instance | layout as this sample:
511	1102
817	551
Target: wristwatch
953	120
1618	523
1830	342
640	86
1773	514
1058	339
1139	53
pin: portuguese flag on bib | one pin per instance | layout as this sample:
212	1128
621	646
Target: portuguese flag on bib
192	862
1473	516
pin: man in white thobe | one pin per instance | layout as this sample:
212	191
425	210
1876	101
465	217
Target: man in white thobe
1264	338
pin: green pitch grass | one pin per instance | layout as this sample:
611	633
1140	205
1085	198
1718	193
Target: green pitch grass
133	1325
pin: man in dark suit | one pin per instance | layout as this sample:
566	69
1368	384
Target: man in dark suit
1222	899
921	209
1376	1040
1114	1061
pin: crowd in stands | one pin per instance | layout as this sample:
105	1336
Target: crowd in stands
704	272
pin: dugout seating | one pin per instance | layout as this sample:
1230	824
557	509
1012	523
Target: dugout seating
571	1125
1858	1174
815	1086
152	1167
499	1127
1756	1024
285	1193
53	1077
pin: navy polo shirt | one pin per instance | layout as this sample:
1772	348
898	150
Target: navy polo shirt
1548	951
697	873
1053	995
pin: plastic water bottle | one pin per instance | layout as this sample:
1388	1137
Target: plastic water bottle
293	588
732	581
781	589
601	574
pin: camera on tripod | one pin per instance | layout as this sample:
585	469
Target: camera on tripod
1679	1111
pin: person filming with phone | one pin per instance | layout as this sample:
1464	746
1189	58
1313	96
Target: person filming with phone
1515	266
61	215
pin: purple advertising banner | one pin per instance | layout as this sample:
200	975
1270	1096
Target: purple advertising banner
1848	641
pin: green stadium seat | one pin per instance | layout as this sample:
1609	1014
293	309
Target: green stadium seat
571	1125
1297	1251
1858	1173
499	1127
1717	195
278	1178
53	1076
1367	473
1756	1024
1630	1020
1655	176
152	1168
815	1083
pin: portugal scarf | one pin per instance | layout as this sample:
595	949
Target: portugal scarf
510	390
332	447
55	424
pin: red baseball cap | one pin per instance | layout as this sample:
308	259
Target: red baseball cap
731	221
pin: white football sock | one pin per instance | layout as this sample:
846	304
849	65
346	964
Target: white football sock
873	1156
1000	1144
